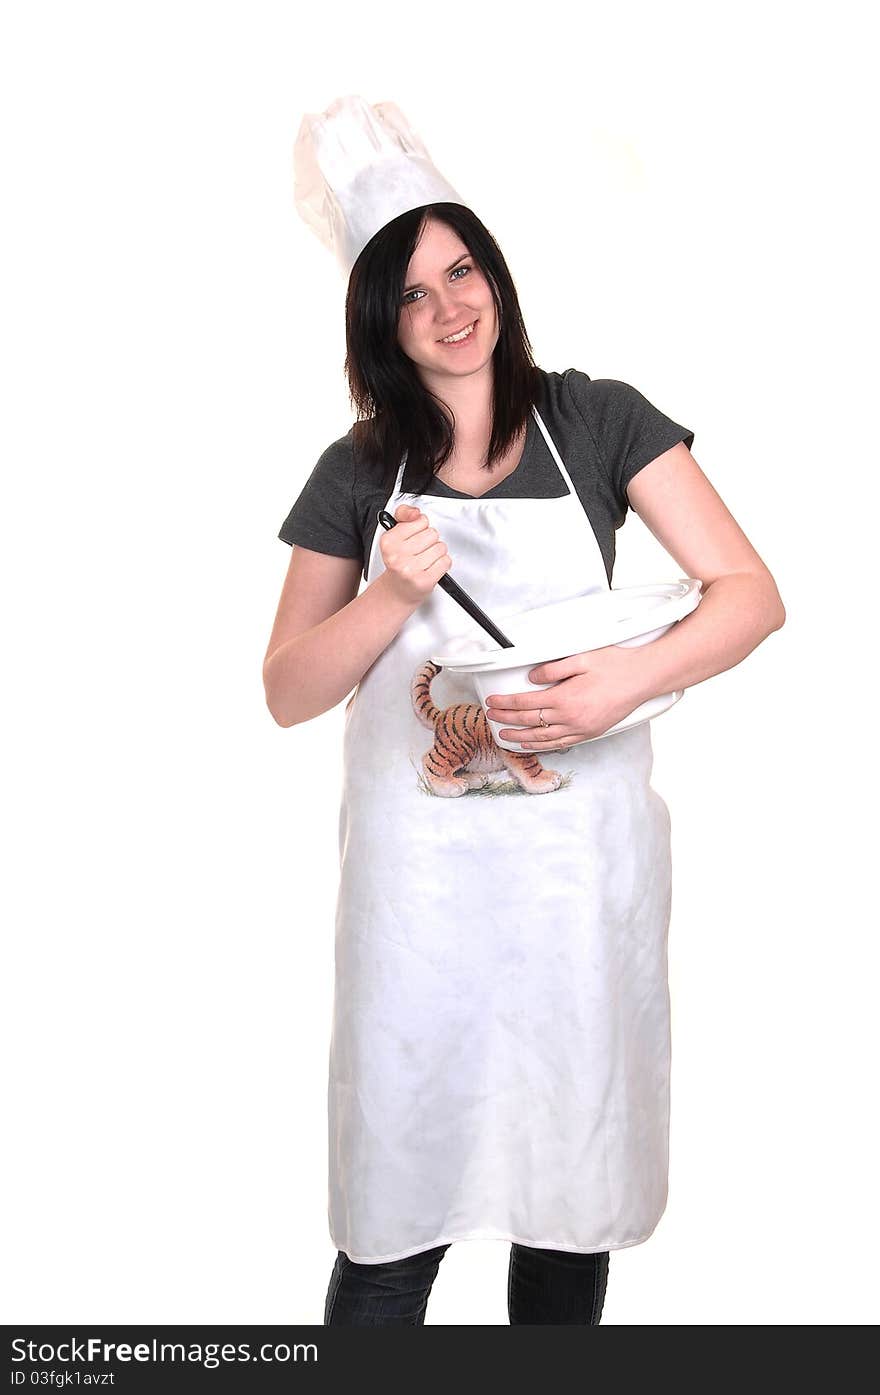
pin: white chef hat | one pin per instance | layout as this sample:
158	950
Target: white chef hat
356	168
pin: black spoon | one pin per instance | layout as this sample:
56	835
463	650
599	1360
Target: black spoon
462	598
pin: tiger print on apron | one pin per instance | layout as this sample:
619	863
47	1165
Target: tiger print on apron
500	1049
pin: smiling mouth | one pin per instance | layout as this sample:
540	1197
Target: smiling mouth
459	336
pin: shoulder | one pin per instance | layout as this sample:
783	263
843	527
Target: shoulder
573	391
614	412
335	468
595	409
593	398
626	428
323	516
339	454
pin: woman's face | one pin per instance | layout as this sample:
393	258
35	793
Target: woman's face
444	292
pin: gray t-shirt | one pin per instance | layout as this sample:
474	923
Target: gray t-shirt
604	430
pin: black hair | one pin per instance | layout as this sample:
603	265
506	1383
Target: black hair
396	411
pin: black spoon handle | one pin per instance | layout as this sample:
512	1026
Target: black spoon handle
462	598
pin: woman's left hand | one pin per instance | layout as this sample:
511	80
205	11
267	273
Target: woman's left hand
597	690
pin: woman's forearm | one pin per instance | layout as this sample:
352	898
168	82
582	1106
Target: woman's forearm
312	672
735	614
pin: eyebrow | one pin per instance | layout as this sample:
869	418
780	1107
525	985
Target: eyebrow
448	269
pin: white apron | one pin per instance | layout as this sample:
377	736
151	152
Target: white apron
500	1052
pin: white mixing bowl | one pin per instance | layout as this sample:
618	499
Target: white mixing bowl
626	616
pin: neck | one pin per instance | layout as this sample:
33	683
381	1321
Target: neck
470	399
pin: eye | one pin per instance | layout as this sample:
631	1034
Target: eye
452	276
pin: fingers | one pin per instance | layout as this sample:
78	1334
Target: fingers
418	533
441	563
414	526
429	557
414	553
427	539
533	732
409	520
526	725
537	739
519	707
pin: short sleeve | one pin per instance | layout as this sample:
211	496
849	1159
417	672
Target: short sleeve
628	430
324	517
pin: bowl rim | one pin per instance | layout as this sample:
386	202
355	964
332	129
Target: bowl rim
682	597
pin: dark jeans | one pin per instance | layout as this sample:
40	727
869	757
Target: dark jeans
543	1286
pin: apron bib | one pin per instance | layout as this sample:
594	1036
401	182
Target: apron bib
499	1057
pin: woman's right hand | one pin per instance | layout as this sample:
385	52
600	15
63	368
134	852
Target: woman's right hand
414	556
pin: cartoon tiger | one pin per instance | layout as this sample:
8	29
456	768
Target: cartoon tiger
465	753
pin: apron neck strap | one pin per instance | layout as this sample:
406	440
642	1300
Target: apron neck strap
398	483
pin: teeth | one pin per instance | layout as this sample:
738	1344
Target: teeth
454	338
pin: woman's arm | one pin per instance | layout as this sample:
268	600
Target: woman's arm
740	607
740	603
325	635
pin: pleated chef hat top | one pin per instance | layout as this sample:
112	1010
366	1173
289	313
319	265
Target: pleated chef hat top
356	168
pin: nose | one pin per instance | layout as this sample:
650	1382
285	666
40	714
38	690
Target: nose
448	312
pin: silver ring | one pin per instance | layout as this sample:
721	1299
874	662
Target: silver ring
541	721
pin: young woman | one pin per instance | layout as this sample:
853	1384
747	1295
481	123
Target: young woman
500	1050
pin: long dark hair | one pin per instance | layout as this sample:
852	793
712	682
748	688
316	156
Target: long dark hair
396	411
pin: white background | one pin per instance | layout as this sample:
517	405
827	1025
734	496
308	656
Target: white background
682	194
